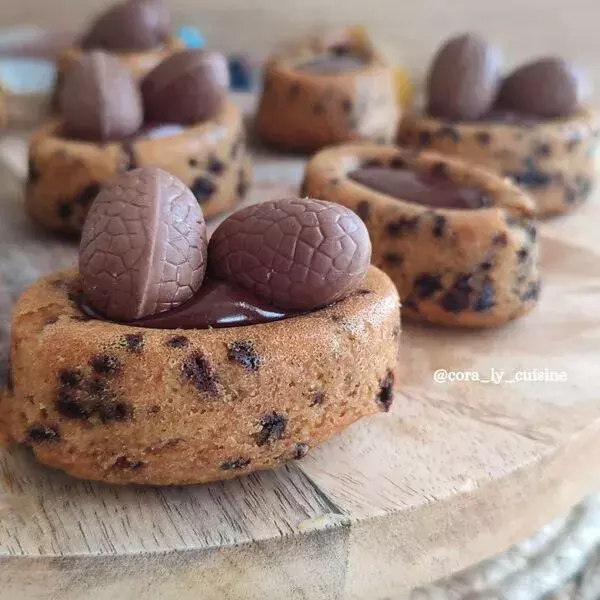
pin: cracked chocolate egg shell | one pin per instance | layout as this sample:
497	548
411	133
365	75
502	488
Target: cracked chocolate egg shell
143	246
133	25
99	100
548	88
294	253
188	87
463	79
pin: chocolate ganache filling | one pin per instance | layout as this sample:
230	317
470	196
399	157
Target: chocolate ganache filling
421	188
333	64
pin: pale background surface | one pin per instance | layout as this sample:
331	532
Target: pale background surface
525	28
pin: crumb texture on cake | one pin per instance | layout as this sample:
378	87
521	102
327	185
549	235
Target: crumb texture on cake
111	402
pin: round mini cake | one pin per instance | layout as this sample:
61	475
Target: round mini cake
531	125
459	242
554	161
166	360
137	32
65	174
327	90
178	119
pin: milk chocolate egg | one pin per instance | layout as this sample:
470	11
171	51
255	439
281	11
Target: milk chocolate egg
548	88
99	100
463	79
186	88
293	253
130	26
143	246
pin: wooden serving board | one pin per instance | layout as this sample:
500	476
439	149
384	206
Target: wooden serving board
454	473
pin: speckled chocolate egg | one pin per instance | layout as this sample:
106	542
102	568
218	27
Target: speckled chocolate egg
99	100
549	87
130	26
186	88
463	79
294	253
143	246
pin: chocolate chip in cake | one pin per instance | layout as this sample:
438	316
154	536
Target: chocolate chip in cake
88	194
123	462
457	298
403	226
449	132
203	188
543	150
393	258
244	353
300	451
385	396
75	404
133	342
532	292
424	138
531	177
427	284
439	225
114	411
318	398
486	265
193	162
522	254
215	166
200	373
233	464
483	137
363	210
500	239
486	297
105	364
272	428
65	210
43	433
177	341
70	378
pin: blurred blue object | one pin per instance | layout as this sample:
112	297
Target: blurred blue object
241	73
191	37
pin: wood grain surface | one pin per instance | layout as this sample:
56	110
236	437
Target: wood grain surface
453	474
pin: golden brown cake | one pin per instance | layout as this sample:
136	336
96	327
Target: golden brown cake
66	174
308	102
124	404
474	268
554	161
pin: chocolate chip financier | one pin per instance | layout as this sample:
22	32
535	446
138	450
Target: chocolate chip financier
327	90
459	243
179	119
532	126
166	360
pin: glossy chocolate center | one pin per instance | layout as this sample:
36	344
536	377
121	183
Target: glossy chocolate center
420	188
333	64
217	304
